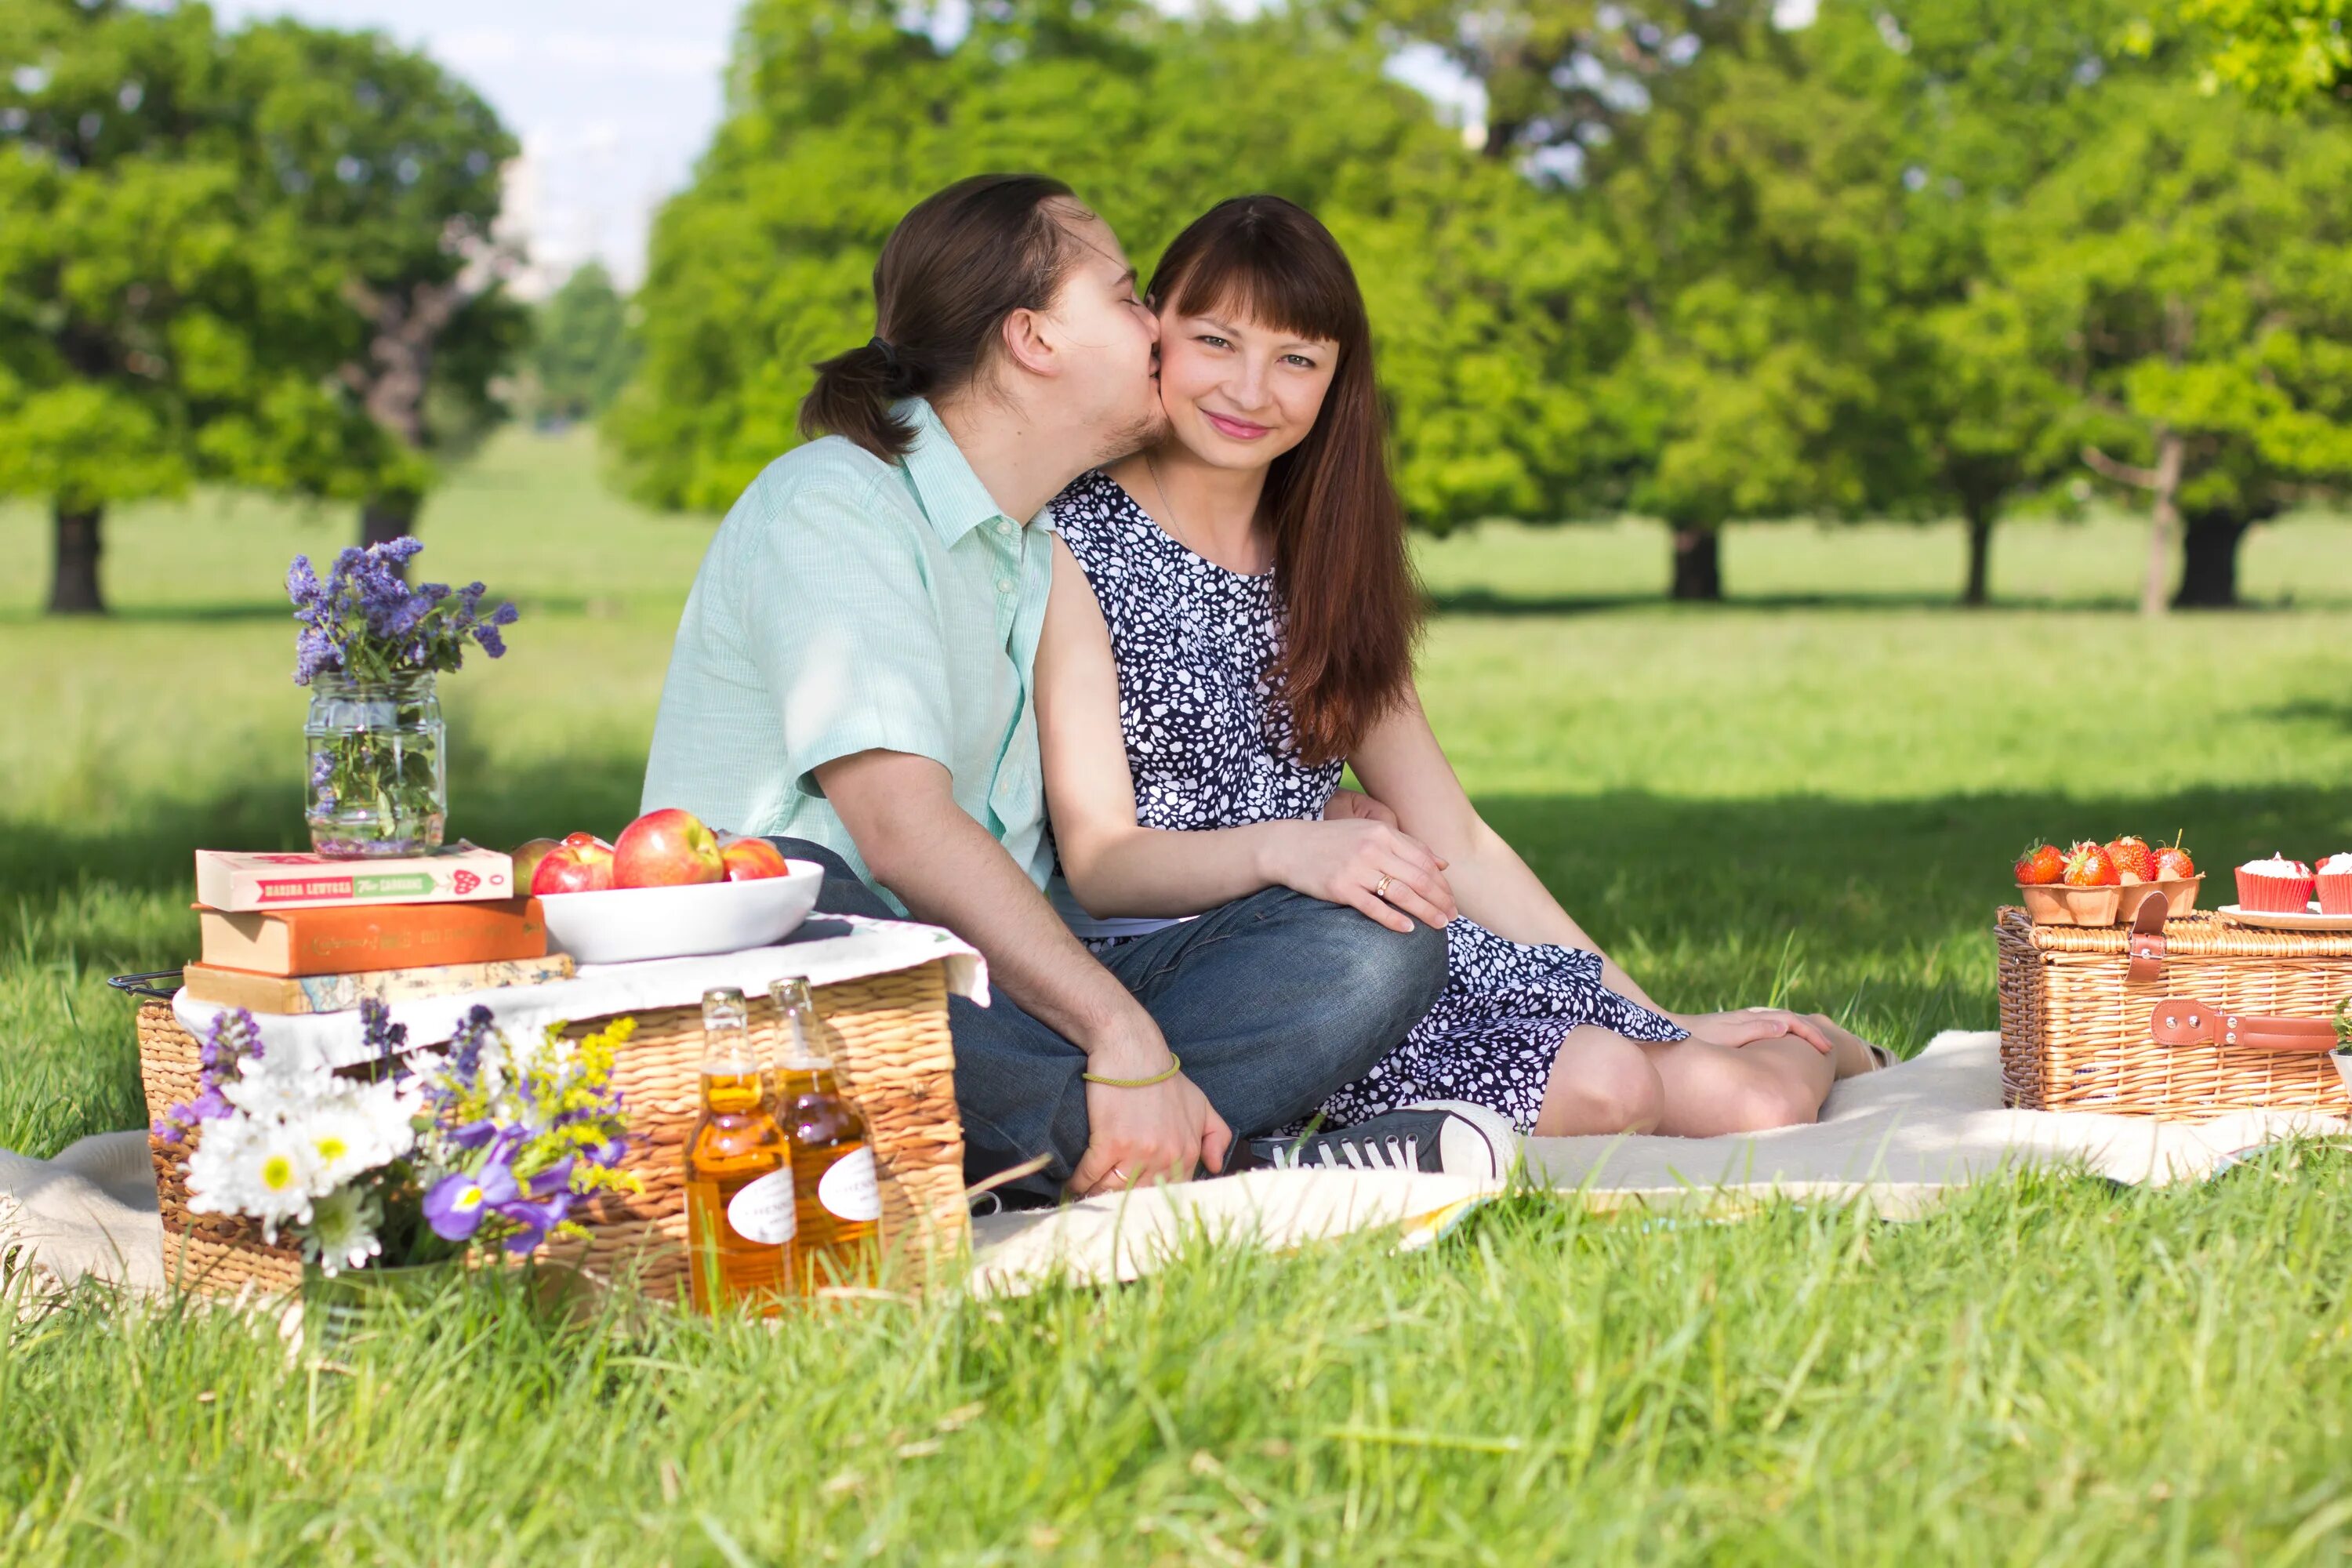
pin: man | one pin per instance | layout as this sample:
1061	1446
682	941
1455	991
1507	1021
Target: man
852	677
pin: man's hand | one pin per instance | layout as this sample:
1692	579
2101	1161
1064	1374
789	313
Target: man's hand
1164	1134
1349	803
1749	1025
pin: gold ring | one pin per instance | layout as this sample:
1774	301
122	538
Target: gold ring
1380	887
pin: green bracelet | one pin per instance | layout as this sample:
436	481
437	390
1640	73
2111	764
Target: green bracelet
1175	1066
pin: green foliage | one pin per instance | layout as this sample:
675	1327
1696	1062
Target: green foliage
843	118
2286	53
582	349
153	302
389	168
2187	267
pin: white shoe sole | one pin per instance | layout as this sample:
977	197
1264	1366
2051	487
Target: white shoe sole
1479	1142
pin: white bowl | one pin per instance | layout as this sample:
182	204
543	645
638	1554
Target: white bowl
622	925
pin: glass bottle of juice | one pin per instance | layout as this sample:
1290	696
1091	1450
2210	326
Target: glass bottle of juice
740	1211
832	1158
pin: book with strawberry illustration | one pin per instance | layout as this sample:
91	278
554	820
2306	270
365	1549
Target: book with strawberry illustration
239	882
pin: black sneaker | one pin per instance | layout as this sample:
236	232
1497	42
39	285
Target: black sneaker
1448	1137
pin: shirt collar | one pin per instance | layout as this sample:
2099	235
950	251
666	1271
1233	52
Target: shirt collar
949	493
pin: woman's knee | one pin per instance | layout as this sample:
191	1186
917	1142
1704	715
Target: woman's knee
1601	1087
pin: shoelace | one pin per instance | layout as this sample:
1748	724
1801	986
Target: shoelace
1389	1153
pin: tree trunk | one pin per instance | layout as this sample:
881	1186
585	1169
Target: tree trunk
1978	592
2209	561
1698	564
73	591
385	518
2164	519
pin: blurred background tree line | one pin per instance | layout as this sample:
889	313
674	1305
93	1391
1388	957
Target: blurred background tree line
1913	260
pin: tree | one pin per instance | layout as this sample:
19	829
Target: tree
136	269
581	349
392	167
2285	53
2189	266
843	118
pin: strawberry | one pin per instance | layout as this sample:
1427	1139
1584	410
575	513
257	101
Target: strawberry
2040	865
2087	866
2173	865
2134	860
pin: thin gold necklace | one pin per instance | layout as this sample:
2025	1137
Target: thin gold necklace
1176	531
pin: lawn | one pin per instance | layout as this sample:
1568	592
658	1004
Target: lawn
1811	794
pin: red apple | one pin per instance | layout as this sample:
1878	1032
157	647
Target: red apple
667	849
571	868
577	839
752	860
527	857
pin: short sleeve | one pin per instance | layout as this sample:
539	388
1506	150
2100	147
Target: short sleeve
835	596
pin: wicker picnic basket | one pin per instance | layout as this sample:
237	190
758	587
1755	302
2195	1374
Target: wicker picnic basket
2183	1020
888	1037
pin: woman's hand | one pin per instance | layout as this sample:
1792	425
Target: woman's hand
1390	876
1749	1025
1345	804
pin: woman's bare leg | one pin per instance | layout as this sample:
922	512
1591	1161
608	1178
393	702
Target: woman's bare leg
1853	1053
1601	1082
1714	1090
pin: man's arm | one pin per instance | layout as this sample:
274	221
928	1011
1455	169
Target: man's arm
901	811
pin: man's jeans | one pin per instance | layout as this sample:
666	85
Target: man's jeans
1273	1001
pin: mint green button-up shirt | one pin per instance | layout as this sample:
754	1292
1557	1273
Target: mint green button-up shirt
849	605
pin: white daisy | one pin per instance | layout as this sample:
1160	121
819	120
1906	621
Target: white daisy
342	1232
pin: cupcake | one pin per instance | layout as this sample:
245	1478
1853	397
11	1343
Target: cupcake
2336	885
2276	886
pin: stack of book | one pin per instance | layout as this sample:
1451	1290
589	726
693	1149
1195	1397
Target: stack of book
301	934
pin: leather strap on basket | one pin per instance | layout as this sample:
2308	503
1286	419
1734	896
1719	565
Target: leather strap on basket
2145	942
2186	1021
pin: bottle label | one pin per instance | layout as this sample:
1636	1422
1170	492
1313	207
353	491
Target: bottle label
763	1210
847	1190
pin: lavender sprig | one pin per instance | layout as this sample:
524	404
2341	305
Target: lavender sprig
365	622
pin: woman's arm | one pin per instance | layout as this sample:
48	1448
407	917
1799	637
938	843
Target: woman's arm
1117	868
1403	766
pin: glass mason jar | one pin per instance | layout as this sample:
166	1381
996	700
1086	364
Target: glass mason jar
379	780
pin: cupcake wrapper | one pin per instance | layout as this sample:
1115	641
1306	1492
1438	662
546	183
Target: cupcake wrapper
2274	895
2336	893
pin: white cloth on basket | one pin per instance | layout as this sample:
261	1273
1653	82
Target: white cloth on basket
870	947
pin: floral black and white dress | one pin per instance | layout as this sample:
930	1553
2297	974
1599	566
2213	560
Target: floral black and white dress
1210	746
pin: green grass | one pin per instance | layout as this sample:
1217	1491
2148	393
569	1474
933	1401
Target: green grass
1814	793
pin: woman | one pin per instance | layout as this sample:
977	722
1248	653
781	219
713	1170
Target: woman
1231	618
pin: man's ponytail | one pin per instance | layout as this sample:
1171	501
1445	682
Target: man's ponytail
953	269
852	395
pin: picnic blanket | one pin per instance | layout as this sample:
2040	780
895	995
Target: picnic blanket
1898	1139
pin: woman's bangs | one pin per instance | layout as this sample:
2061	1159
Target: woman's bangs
1246	279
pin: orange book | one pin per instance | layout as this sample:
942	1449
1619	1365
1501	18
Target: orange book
358	938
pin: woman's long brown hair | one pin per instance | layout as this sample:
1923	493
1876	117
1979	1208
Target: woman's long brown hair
1352	608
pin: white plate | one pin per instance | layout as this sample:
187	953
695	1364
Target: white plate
2269	919
622	925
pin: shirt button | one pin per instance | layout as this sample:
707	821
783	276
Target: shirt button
1004	584
1004	525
